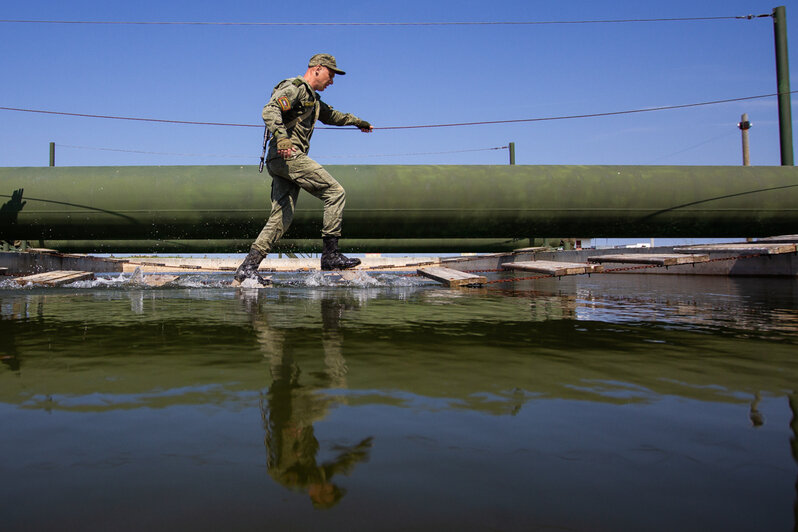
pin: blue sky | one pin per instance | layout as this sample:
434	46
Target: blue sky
397	76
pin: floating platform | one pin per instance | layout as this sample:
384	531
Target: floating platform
650	258
555	268
743	248
452	278
56	278
251	283
768	257
157	280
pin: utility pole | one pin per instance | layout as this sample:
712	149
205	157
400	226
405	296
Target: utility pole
52	154
744	126
783	82
512	152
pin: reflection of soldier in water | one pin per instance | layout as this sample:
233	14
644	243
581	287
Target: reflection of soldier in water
291	406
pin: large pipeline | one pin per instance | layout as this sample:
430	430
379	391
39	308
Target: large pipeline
292	245
407	202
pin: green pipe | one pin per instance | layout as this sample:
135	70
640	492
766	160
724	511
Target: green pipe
783	83
502	201
287	245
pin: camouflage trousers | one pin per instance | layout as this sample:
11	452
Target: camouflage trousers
288	177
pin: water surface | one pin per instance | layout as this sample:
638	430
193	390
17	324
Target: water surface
631	402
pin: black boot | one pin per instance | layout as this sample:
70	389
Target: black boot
331	258
249	268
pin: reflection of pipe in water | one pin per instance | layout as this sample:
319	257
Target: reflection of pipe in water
291	406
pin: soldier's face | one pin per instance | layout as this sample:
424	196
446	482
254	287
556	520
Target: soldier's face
324	78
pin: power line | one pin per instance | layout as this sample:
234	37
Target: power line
239	156
111	117
97	148
456	124
694	146
439	23
414	153
589	115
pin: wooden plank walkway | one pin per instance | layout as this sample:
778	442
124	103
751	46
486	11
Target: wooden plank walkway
789	239
553	267
743	248
252	283
41	250
158	280
345	275
450	277
660	259
56	278
532	249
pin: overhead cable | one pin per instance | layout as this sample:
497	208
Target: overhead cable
456	124
97	148
439	23
111	117
414	153
589	115
248	156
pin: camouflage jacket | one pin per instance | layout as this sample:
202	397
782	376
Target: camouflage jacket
292	112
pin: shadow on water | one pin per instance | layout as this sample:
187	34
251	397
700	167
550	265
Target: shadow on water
671	400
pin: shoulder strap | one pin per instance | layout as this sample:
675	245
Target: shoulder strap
296	82
301	117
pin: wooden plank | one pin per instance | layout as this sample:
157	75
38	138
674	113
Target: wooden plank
660	259
553	267
532	249
347	275
158	279
252	283
56	278
742	248
41	250
782	239
450	277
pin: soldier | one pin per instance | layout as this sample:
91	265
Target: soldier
290	116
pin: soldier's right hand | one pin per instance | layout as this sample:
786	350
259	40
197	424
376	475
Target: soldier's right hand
285	148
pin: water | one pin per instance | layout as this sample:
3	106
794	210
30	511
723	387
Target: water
629	402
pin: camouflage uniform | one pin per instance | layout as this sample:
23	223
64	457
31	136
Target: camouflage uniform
291	113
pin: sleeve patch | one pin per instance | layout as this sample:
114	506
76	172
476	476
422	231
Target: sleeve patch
284	103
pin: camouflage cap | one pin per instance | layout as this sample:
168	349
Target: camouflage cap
325	60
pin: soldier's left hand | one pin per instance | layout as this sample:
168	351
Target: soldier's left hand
364	126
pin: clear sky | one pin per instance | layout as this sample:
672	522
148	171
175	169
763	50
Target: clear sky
396	76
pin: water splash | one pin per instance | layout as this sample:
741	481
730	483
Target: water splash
315	279
351	279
